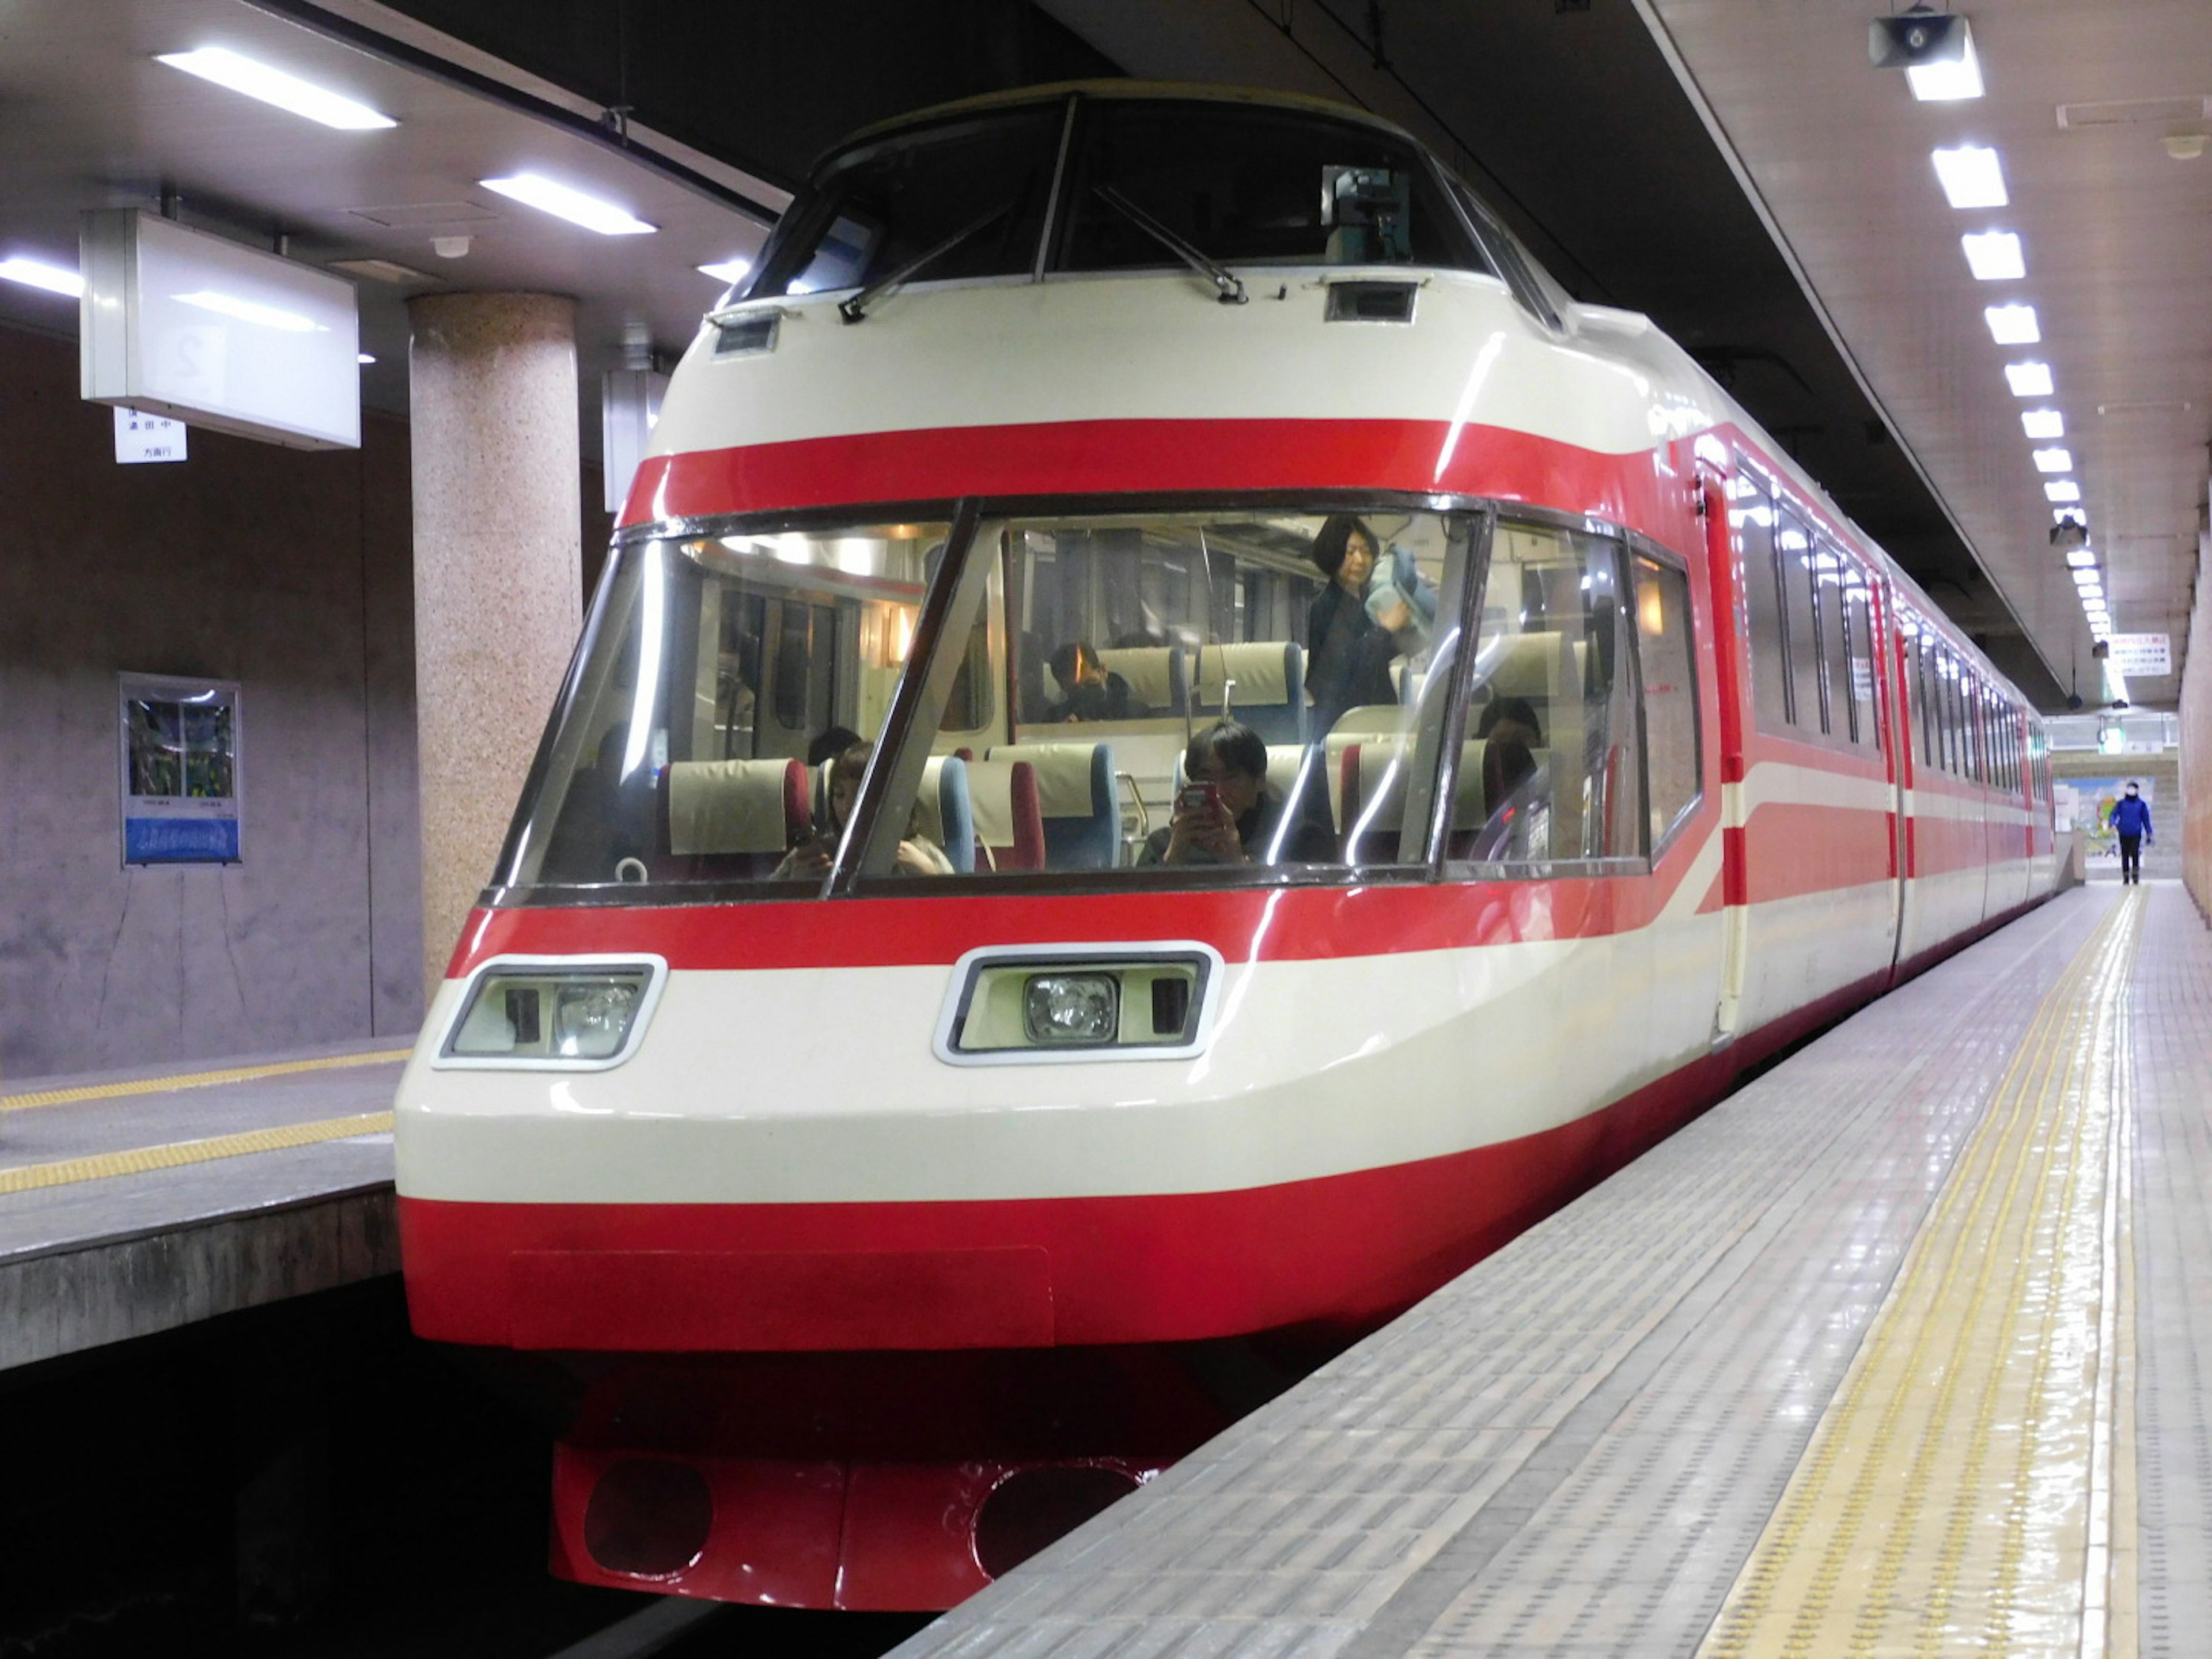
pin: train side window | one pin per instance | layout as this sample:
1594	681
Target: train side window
1795	544
1550	772
1858	619
1667	664
1751	514
1830	572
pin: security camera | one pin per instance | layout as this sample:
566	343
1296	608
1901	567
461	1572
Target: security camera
2101	650
1916	38
2068	534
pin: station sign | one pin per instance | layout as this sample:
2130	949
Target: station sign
2147	655
142	438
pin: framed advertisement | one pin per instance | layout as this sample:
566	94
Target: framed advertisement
180	770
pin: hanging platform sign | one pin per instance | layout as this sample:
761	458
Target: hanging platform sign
180	770
2147	654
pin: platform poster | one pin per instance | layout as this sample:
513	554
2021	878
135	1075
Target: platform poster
2092	812
180	770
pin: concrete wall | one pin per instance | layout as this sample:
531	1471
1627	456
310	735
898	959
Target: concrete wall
2196	739
286	571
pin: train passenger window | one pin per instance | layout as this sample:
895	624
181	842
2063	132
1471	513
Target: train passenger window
1244	185
1750	515
1666	661
1830	573
1807	705
718	678
1858	622
969	194
1550	774
1203	695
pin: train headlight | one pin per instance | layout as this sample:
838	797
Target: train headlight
1012	1005
565	1014
1072	1008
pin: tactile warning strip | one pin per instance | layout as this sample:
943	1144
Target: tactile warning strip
141	1160
1958	1495
1572	1449
170	1084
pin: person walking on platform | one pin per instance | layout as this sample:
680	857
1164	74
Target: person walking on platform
2131	821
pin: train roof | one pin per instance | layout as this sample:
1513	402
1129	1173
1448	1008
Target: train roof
1058	91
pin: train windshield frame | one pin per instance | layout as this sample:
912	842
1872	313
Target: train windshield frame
1090	185
1106	694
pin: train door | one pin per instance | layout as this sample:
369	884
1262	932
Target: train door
1902	653
1732	662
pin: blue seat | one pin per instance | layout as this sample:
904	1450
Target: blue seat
946	812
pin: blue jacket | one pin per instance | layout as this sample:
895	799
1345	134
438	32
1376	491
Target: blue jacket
2131	816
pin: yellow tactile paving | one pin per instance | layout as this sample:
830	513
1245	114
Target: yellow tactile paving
1969	1490
168	1085
140	1160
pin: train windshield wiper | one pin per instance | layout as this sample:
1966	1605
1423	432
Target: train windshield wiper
854	309
1231	287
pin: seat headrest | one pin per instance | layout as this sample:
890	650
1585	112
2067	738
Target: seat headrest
1524	666
991	799
1150	670
1068	776
732	805
1260	669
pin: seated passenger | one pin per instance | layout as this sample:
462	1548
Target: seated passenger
1088	691
1374	609
831	743
1226	814
1509	728
809	860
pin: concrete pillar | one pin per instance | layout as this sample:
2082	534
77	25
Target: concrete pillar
2193	809
496	485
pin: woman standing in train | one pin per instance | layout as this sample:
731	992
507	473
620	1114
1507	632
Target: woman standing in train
1364	618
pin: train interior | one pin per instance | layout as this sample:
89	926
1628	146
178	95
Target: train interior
731	692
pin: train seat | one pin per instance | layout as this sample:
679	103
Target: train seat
734	818
1158	675
1269	695
1002	802
1076	800
946	814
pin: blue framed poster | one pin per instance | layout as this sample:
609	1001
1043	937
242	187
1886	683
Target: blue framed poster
180	770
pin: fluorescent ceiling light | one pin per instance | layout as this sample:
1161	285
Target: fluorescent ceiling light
728	272
1994	256
248	311
2090	589
2042	423
532	190
273	86
2029	379
2082	558
1972	177
2061	489
36	273
1943	83
2054	460
363	358
2013	324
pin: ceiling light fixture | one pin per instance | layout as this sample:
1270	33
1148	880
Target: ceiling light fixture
2013	324
2053	460
273	86
729	270
2082	558
37	273
534	190
2029	379
363	358
2042	423
1994	256
1972	177
2061	490
1944	83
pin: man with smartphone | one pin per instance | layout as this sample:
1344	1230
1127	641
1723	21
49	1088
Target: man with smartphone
1225	814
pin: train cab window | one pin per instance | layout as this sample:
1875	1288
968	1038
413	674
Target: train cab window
1551	772
1750	515
1201	697
1793	544
718	678
965	199
1244	185
1665	660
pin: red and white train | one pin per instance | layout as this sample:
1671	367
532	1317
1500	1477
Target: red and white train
905	1169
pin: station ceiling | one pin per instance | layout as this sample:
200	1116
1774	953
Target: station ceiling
1732	167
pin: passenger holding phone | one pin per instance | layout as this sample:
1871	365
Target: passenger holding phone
1225	814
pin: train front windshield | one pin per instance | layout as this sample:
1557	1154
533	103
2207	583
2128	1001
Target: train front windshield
1189	697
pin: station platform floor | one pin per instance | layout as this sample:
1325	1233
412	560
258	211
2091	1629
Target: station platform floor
1901	1349
133	1202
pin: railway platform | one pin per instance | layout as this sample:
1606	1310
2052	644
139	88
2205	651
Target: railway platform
1898	1350
133	1202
